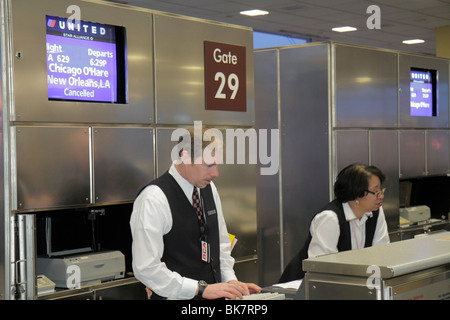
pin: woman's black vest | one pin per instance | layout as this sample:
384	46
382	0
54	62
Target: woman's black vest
182	244
294	269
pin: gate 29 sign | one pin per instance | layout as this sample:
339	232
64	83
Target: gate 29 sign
225	77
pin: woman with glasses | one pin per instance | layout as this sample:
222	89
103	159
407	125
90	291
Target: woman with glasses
354	220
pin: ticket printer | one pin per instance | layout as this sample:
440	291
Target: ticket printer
415	214
74	271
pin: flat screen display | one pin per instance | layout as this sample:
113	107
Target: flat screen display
423	93
85	61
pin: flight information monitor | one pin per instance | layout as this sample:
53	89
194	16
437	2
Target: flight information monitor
86	61
423	93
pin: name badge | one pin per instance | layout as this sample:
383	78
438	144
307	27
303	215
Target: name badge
205	251
211	212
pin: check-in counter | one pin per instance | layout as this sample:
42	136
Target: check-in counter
413	269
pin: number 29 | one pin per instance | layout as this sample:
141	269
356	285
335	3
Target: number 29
233	85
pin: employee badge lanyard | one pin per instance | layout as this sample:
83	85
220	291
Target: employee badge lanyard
358	245
203	235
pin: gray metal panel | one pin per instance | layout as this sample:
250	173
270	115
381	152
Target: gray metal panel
30	71
123	162
236	185
412	153
268	186
237	188
120	289
420	230
383	152
406	62
4	138
352	146
430	284
437	142
304	132
331	287
52	167
247	270
179	56
164	147
366	87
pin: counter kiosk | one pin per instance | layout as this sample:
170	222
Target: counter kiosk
415	269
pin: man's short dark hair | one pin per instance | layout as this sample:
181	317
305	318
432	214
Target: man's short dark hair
190	141
353	181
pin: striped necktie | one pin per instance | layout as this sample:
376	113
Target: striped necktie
197	206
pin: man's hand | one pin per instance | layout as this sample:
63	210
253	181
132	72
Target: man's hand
248	288
223	290
232	290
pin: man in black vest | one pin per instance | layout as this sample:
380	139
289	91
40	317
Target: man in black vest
179	252
354	220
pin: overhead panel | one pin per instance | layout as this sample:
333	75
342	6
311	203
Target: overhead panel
180	71
365	87
33	56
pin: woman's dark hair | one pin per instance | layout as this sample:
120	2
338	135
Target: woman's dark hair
352	182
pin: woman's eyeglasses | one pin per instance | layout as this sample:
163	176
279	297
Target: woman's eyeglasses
377	193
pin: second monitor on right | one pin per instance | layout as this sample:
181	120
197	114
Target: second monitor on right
423	95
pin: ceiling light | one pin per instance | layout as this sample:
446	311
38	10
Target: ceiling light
254	12
344	29
413	41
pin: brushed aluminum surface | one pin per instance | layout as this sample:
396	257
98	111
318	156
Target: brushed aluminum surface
412	153
179	71
437	152
268	186
352	146
52	167
366	87
383	151
123	162
304	131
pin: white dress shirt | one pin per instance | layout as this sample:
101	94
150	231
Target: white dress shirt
150	220
325	231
